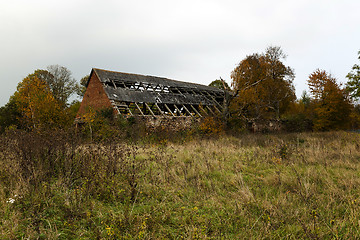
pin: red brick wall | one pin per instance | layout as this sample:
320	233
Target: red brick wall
94	97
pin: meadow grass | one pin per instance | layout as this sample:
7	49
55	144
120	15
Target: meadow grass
274	186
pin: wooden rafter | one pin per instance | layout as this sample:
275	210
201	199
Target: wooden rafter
137	106
212	97
127	107
152	113
178	110
187	110
166	106
196	111
201	107
114	83
210	110
162	113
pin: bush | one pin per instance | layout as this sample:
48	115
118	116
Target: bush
297	186
211	126
297	123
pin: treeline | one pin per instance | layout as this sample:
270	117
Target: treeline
42	101
261	92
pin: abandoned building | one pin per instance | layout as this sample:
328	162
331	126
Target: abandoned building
148	96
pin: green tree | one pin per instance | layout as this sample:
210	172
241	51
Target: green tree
9	115
263	86
219	83
82	87
353	84
332	107
60	81
299	115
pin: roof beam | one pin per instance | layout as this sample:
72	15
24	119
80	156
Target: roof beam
210	110
206	113
112	80
212	97
178	109
166	106
147	106
179	91
137	86
137	106
123	82
187	110
217	109
114	106
195	110
127	107
162	113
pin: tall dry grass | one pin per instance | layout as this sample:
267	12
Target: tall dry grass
281	186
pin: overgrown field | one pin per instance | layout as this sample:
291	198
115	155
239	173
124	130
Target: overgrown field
276	186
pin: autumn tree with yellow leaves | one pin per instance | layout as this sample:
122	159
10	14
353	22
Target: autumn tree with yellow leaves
263	86
37	105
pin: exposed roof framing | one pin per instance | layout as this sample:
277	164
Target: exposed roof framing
134	94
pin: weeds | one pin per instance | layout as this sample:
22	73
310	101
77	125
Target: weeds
285	186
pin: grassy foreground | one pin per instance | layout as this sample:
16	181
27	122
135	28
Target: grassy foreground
283	186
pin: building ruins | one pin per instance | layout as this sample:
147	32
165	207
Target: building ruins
149	96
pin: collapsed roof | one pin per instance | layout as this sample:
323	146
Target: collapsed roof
134	94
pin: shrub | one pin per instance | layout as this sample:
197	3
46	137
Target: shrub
297	123
211	126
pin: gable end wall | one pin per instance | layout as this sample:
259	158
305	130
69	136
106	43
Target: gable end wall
94	97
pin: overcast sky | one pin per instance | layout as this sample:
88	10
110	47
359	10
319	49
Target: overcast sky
190	40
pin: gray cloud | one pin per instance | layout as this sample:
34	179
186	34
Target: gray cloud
190	40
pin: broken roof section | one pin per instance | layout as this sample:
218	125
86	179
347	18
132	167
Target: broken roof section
134	94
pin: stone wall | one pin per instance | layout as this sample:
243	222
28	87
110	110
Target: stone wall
169	123
266	126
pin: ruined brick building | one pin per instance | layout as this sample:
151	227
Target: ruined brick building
148	96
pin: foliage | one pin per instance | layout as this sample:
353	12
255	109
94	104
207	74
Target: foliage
284	186
60	82
219	83
73	109
41	101
37	105
102	125
211	126
331	105
353	84
299	115
9	116
82	87
263	85
297	123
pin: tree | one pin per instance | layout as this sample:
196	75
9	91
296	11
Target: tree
9	115
60	82
263	86
219	83
299	115
353	84
331	105
305	99
82	87
36	103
